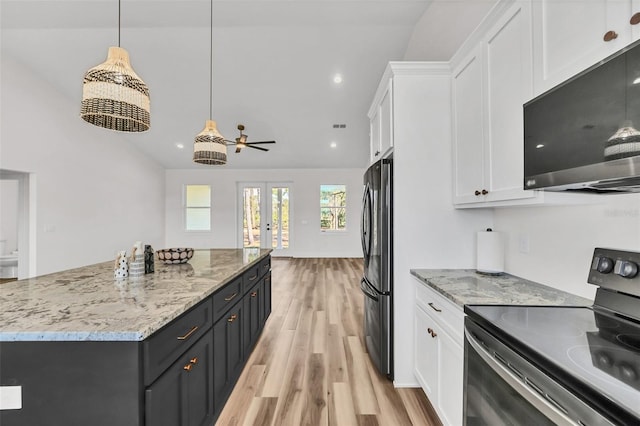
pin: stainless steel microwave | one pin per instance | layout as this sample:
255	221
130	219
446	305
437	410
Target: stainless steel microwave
584	135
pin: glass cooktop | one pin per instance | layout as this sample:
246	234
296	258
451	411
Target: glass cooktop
592	352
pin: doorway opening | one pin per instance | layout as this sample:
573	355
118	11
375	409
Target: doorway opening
265	216
17	238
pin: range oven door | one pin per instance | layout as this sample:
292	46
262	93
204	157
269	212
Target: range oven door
502	388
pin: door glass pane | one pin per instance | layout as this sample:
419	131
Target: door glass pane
251	217
280	218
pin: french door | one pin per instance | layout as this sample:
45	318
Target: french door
265	216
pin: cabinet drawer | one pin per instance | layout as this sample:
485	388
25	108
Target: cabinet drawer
224	298
250	277
165	346
265	265
446	313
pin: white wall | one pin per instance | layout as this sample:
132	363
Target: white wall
9	214
562	238
306	238
94	192
428	231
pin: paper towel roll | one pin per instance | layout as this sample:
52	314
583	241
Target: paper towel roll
490	252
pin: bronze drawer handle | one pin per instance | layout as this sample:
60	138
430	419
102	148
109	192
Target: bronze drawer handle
610	35
194	360
253	277
434	308
229	298
477	193
188	367
484	192
635	19
254	294
186	336
232	318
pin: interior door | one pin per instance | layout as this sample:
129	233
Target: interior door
265	216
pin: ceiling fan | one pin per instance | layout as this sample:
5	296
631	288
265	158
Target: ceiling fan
241	141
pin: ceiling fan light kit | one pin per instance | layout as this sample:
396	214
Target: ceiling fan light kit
114	96
209	146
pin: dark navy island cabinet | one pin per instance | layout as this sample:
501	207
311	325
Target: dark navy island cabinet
182	375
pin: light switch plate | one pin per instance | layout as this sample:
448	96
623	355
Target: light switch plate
10	397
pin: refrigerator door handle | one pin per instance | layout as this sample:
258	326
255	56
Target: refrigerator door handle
366	289
365	224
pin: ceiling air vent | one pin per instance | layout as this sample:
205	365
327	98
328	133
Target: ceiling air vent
339	126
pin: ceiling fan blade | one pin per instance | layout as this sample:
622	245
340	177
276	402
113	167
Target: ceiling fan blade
257	147
261	142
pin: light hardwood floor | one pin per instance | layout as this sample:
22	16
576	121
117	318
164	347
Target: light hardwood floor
310	366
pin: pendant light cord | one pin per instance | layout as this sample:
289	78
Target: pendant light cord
119	23
211	66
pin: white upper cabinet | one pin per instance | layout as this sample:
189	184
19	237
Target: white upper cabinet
468	127
570	36
490	84
381	119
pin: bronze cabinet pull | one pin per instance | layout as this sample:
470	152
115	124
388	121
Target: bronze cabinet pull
610	35
229	298
635	19
187	367
254	294
232	318
484	192
477	192
434	308
189	333
253	277
194	360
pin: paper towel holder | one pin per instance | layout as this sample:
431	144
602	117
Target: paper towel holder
492	266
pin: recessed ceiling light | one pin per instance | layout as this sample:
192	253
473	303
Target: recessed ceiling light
337	78
333	144
179	145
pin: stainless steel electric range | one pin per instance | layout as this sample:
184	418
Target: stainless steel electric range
535	365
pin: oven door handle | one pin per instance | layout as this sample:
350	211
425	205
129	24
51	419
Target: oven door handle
529	394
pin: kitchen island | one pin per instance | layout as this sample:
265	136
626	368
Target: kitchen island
79	347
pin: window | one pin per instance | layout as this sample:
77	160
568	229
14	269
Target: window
197	207
333	207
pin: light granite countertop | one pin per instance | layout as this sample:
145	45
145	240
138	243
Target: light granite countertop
466	287
87	303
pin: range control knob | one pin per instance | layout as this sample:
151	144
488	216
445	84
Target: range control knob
626	269
604	265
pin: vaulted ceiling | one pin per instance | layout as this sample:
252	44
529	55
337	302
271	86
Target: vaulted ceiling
273	65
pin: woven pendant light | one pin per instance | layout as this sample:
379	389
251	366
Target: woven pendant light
113	95
210	146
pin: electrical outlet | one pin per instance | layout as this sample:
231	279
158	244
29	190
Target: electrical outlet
523	243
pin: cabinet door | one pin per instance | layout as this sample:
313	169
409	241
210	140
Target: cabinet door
426	355
200	382
374	135
508	87
266	298
386	120
468	132
166	398
252	324
451	370
227	353
183	394
568	36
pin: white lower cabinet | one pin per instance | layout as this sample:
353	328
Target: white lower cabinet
439	354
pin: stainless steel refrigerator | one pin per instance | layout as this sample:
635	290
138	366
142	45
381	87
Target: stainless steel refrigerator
377	280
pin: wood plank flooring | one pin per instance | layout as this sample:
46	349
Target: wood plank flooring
310	366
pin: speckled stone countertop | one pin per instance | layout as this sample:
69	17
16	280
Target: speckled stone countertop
466	287
87	303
